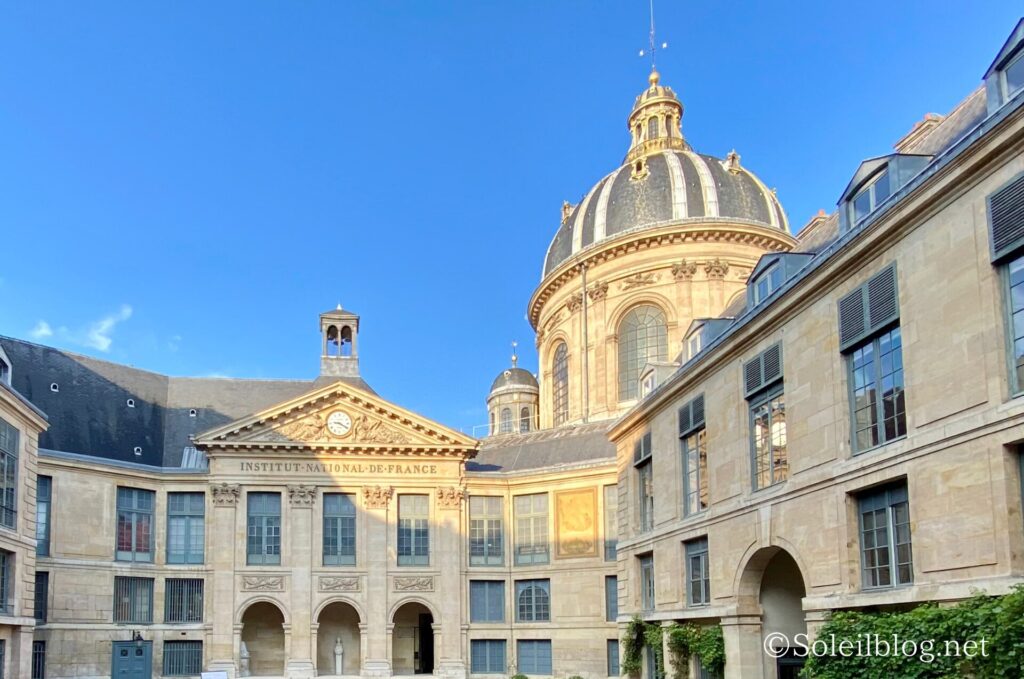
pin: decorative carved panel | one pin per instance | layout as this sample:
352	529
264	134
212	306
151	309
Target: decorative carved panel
716	269
262	583
639	280
449	497
302	496
574	302
225	494
598	291
684	270
339	584
414	583
377	497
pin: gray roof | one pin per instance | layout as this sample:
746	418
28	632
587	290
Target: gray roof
585	443
514	377
679	186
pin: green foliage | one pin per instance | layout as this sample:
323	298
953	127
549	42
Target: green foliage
575	676
688	640
632	648
520	675
938	633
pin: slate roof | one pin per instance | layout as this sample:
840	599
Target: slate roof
580	444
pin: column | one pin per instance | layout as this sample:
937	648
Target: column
301	651
220	529
448	661
744	655
376	638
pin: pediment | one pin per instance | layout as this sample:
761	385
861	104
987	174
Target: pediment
372	425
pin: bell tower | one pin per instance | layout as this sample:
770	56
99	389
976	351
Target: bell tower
339	332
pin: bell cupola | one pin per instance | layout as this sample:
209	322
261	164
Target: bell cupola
655	123
513	401
339	333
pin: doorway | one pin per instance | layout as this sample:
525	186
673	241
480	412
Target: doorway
412	644
132	660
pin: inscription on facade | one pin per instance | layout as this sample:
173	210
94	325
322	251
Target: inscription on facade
353	468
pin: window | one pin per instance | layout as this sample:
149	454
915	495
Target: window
41	596
505	426
611	523
8	474
486	539
183	600
534	656
873	349
185	527
487	656
264	529
611	598
612	654
647	583
487	601
6	582
339	529
183	658
693	440
524	420
886	557
642	338
767	282
645	481
135	524
3	657
764	391
652	128
44	491
1013	76
1014	285
560	384
698	589
533	601
133	600
531	529
38	660
694	344
5	372
865	201
413	530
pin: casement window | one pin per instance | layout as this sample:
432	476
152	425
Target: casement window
768	281
693	443
264	529
133	600
533	600
642	338
642	456
413	530
611	598
186	532
611	522
524	420
646	583
487	656
873	194
533	657
698	575
612	655
531	529
869	336
183	600
560	384
38	660
41	596
487	601
339	542
505	426
44	491
762	378
9	442
885	549
1006	230
182	658
135	524
6	582
486	534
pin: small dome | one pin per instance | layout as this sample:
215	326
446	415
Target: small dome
514	377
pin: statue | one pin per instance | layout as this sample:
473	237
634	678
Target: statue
339	657
243	665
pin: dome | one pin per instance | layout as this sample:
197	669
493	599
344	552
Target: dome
514	377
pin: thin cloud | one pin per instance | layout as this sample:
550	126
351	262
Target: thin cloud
99	334
174	343
42	330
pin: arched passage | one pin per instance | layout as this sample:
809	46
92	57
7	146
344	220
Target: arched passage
412	641
773	576
338	630
263	637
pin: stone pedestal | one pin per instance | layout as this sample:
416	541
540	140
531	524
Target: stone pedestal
743	647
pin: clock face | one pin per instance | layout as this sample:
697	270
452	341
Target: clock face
339	423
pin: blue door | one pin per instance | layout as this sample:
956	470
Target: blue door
132	660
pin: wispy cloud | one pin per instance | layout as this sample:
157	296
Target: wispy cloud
98	335
174	343
42	330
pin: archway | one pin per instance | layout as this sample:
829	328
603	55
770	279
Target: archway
338	622
780	591
263	636
412	641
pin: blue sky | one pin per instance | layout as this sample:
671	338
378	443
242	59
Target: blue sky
184	186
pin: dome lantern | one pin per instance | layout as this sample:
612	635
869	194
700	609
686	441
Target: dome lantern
513	401
655	123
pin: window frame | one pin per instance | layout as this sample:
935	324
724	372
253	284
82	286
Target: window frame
611	598
611	521
488	646
192	510
560	383
335	522
486	530
535	670
643	463
762	398
697	549
773	279
654	324
700	472
10	455
187	645
891	495
133	586
539	611
44	517
260	525
1015	59
413	530
878	427
41	597
493	592
617	667
180	604
505	424
7	566
869	188
129	515
1016	385
648	592
534	551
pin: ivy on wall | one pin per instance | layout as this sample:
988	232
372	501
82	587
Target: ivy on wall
684	641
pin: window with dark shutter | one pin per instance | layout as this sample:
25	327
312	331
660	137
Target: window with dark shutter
868	309
763	370
1006	219
691	415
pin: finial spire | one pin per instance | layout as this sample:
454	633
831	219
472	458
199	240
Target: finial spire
653	47
515	358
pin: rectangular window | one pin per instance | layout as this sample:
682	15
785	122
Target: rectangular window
44	491
339	529
185	527
647	583
413	530
693	442
486	540
533	601
487	601
886	558
135	524
611	598
41	596
642	455
6	582
612	654
534	657
487	656
9	442
38	660
611	522
698	587
182	658
183	600
767	282
768	432
264	529
3	657
871	196
133	600
531	529
1013	76
1014	277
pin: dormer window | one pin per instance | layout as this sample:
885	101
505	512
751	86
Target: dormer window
5	372
871	196
874	183
1012	76
694	344
767	283
1004	79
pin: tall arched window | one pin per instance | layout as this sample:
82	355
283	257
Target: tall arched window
505	427
524	420
652	127
560	384
642	338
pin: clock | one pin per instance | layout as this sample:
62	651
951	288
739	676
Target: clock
339	423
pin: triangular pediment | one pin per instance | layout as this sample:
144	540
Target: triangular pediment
338	418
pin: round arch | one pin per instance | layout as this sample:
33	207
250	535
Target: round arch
747	582
614	317
262	646
339	600
262	598
339	638
413	600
